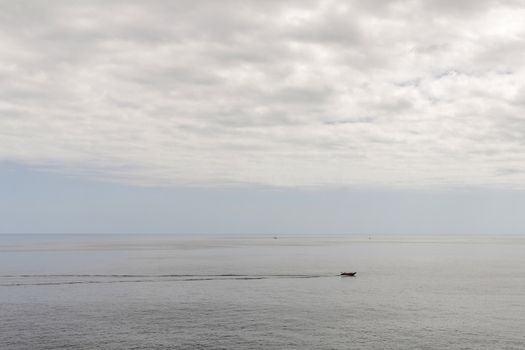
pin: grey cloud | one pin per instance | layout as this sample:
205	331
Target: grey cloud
509	171
351	120
285	93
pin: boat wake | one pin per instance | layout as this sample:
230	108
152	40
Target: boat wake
51	280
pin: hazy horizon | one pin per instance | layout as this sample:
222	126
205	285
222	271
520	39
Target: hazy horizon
49	202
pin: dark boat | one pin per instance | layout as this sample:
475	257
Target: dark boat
348	274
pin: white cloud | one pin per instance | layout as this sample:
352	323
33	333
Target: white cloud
286	93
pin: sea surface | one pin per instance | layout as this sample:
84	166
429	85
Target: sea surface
261	292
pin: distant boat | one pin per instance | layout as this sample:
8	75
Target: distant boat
348	274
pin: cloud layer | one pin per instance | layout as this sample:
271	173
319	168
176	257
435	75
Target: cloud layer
283	93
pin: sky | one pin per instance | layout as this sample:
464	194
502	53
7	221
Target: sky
262	116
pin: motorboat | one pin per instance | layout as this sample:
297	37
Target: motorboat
348	274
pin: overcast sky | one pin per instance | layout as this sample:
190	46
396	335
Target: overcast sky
355	95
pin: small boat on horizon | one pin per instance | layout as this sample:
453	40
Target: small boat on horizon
348	274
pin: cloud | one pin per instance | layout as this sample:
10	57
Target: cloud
281	93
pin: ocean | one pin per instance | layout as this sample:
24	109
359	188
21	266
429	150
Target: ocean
261	292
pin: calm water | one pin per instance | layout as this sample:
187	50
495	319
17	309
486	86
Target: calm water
168	292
